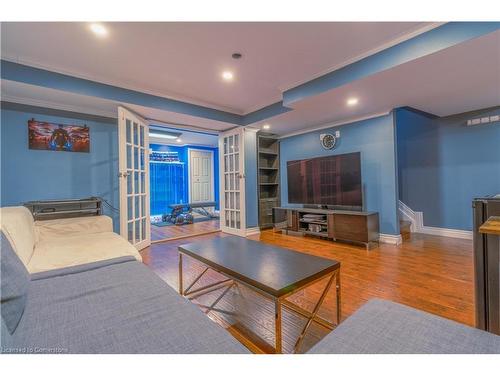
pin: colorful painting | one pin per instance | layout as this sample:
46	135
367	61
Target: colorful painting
58	137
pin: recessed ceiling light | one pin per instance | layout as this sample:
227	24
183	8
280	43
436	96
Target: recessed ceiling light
178	140
266	126
352	101
98	29
236	55
227	75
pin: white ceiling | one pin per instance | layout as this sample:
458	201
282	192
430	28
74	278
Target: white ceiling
185	60
458	79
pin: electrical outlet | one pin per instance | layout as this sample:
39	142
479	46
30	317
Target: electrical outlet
485	120
337	134
494	118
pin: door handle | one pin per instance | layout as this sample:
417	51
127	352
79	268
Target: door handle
123	174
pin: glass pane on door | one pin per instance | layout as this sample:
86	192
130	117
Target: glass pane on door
231	149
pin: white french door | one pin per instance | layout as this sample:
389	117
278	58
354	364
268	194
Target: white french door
232	182
133	150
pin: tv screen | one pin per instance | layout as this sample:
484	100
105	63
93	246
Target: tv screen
329	181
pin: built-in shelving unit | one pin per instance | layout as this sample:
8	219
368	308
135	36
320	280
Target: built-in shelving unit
268	177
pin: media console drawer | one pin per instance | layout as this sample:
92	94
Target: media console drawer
350	227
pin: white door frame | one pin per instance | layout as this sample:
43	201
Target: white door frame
212	194
123	115
222	196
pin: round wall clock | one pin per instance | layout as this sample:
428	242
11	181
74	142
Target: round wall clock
328	141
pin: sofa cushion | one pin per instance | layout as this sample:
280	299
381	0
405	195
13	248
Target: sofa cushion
48	229
116	308
386	327
18	226
14	282
60	252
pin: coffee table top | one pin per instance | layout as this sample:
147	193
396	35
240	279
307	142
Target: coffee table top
271	269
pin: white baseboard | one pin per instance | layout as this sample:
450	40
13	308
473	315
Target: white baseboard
393	239
252	231
417	224
445	232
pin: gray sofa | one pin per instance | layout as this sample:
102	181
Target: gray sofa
383	327
112	306
120	306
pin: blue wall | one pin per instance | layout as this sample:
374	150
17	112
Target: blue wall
443	165
375	139
34	174
183	157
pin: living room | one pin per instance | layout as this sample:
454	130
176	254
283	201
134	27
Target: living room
339	194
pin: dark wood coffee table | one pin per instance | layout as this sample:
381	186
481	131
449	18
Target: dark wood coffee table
273	272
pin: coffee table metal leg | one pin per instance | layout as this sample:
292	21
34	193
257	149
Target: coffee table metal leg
315	311
194	281
277	325
339	302
181	291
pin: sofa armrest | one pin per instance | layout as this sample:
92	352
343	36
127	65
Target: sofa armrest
48	229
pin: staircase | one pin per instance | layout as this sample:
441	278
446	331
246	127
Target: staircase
405	229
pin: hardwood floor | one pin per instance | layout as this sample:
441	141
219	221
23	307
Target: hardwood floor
171	231
430	273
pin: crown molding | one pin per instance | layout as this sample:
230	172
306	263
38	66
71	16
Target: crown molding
58	106
334	124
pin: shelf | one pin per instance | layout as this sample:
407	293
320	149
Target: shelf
320	234
268	137
266	152
314	222
268	176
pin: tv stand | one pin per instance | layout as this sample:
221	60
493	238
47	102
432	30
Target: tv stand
360	227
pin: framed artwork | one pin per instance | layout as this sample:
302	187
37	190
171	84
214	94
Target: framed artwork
58	137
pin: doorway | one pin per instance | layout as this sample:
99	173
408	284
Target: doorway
184	180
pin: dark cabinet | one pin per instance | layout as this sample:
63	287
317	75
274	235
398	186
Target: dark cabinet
339	225
486	266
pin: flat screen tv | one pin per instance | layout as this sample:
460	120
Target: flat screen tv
327	181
